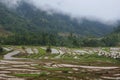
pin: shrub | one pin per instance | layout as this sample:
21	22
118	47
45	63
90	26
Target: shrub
43	74
1	49
48	50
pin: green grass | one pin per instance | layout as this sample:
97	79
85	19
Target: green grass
43	74
107	49
95	57
35	76
41	51
89	58
27	75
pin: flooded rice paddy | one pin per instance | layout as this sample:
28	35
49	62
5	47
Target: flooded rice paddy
18	64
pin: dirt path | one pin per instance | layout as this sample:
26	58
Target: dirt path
10	55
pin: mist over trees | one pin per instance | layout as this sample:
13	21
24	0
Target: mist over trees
26	26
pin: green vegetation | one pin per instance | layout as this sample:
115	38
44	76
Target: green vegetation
43	74
48	50
89	58
96	58
2	52
1	49
26	75
86	58
41	29
42	51
27	26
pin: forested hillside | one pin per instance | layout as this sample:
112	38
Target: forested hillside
27	25
13	22
26	17
58	22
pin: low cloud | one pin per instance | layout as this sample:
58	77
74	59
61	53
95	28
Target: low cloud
11	3
105	10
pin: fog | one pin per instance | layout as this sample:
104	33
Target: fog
104	10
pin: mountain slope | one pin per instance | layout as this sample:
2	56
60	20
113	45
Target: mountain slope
13	22
26	18
61	23
26	25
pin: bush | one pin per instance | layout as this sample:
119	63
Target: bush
48	50
23	47
1	49
43	74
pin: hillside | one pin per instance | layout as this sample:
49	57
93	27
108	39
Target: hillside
29	25
59	22
117	29
12	22
26	16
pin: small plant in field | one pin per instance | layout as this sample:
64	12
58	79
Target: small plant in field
23	47
26	75
43	74
64	71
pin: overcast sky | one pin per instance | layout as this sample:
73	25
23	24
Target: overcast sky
107	10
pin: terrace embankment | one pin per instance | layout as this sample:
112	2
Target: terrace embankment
57	67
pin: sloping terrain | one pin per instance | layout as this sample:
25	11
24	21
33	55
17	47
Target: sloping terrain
4	32
32	26
27	18
68	68
58	22
9	21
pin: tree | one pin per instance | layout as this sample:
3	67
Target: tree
112	40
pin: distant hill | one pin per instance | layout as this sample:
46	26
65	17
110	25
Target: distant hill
27	18
117	29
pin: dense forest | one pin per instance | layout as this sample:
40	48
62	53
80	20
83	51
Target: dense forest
54	39
28	26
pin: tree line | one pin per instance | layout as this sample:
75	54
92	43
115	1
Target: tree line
54	39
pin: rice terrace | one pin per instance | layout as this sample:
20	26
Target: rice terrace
59	39
33	63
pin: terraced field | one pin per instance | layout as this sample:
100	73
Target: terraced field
33	63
